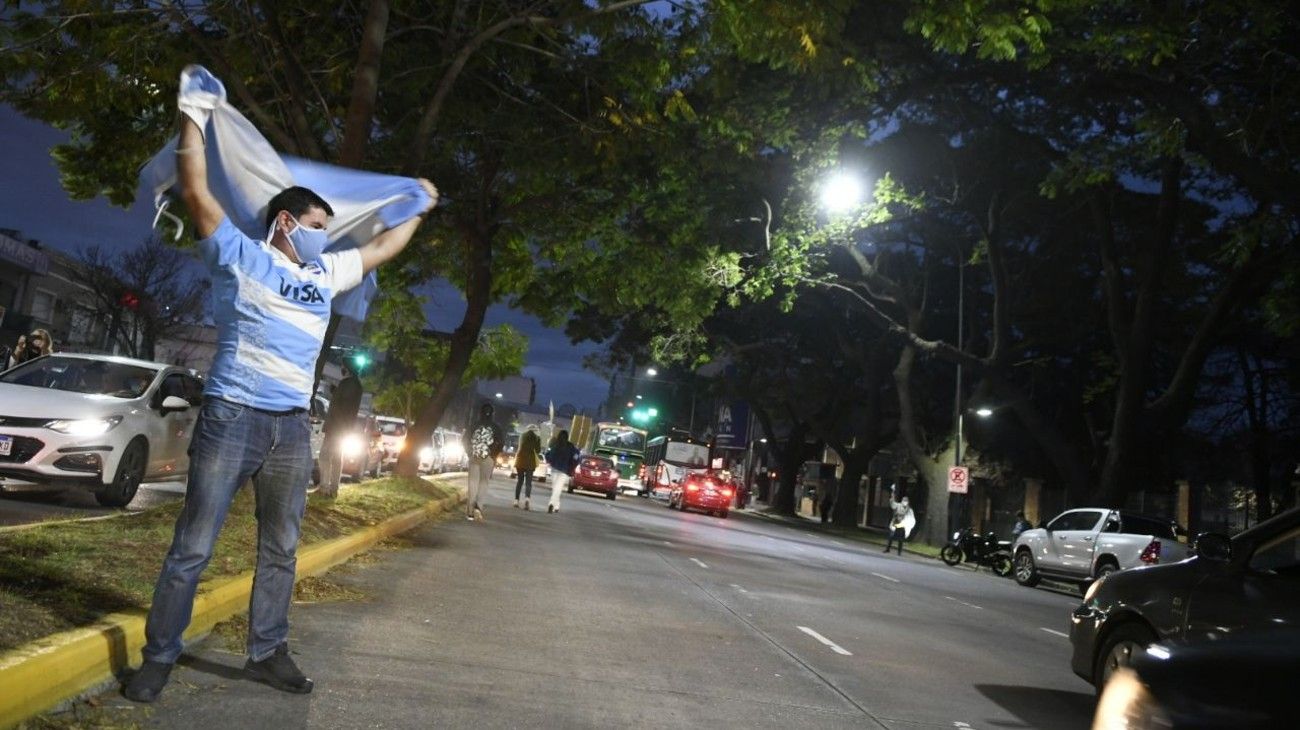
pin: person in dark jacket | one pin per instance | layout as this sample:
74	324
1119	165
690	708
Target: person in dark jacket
829	487
345	401
483	441
563	458
1021	525
526	459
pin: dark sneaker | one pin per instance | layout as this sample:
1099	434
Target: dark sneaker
279	671
147	682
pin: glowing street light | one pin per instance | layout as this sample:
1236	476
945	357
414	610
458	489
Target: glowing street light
501	395
984	412
651	372
842	192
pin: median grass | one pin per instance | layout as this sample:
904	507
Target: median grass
65	575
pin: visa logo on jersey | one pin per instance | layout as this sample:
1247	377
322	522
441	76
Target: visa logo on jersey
307	293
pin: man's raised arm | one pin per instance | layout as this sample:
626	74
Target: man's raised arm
192	170
391	242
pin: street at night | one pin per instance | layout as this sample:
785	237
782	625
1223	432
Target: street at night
628	614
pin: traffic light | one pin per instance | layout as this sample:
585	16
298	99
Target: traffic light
644	415
360	360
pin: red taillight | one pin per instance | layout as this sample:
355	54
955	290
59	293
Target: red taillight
726	492
1151	553
692	487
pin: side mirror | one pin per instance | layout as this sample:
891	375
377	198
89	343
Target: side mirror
174	403
1214	546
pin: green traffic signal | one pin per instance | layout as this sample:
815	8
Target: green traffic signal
360	360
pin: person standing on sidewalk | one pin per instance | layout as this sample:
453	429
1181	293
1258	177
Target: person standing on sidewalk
483	442
530	452
345	401
562	457
271	303
829	488
901	523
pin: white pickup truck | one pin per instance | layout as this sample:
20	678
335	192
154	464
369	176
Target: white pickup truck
1082	545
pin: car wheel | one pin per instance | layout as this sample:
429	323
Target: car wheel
1106	568
570	490
950	554
130	471
722	514
1118	649
611	496
1025	572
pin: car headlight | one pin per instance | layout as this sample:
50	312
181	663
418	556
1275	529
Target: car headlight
84	426
1127	704
426	454
401	443
352	445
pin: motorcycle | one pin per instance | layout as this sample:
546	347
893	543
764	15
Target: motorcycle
983	549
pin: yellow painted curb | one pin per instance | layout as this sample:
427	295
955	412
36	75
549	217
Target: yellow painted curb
40	675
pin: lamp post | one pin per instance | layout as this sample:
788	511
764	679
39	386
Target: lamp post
958	412
650	375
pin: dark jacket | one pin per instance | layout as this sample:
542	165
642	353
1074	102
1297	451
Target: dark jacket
345	401
484	440
563	457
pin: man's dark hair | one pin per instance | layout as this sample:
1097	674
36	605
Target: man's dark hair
486	410
342	366
297	200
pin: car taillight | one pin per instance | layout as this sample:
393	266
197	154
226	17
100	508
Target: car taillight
692	487
726	492
1151	553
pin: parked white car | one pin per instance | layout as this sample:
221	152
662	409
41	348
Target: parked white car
97	422
1082	545
392	439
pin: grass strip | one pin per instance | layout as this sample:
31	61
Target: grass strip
67	575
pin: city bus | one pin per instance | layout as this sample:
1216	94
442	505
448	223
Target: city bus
670	458
625	446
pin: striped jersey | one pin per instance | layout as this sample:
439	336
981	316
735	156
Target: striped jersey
271	316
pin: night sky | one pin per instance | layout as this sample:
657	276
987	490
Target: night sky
32	202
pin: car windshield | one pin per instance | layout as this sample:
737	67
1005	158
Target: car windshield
684	454
81	375
388	428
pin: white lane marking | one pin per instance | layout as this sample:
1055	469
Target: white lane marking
834	647
669	544
1055	632
699	562
891	580
969	605
961	724
742	590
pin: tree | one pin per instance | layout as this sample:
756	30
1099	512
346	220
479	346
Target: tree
142	296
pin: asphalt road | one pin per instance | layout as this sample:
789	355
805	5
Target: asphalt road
627	614
22	504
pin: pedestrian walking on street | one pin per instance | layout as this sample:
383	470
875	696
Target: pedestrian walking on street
902	522
345	401
562	456
271	302
30	346
483	442
526	459
829	488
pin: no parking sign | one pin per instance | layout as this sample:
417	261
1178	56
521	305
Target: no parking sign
958	479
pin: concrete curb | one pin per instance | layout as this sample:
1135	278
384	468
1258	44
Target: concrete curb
40	675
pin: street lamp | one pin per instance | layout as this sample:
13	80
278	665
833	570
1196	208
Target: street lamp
500	395
984	412
842	192
651	372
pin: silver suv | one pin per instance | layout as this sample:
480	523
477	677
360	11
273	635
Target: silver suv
1082	545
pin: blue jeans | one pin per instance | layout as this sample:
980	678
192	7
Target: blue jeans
233	443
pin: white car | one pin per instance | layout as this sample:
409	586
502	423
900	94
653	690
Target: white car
392	439
1083	545
98	422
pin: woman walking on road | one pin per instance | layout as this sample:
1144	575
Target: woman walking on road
562	456
530	449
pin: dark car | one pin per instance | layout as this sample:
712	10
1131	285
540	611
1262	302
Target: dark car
595	474
1246	680
1250	582
703	492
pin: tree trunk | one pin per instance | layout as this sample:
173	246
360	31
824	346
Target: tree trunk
934	526
845	512
463	341
791	457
